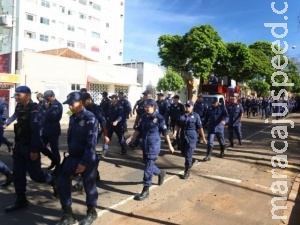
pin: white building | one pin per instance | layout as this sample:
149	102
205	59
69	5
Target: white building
93	28
63	75
148	74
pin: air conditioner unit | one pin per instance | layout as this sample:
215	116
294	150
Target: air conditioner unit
6	21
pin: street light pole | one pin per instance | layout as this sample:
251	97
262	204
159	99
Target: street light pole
13	38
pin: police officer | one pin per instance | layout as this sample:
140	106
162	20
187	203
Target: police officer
212	79
175	111
137	104
114	122
235	112
127	109
104	104
51	129
82	159
3	115
265	104
217	117
26	153
150	126
162	105
40	98
7	172
189	124
200	107
147	94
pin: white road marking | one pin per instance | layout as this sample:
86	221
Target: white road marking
258	132
263	187
222	178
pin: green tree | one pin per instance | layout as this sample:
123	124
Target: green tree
261	87
195	52
172	81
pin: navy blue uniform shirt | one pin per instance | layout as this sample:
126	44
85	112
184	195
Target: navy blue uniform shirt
95	109
104	105
215	115
201	108
52	118
235	111
115	114
175	111
82	136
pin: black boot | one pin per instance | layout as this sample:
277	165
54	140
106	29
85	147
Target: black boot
91	216
144	194
240	141
123	151
161	177
20	203
222	147
53	184
98	176
9	146
231	144
186	174
9	179
208	155
68	217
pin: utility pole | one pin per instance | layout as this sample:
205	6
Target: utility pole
13	38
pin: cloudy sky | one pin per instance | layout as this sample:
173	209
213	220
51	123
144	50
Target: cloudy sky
234	20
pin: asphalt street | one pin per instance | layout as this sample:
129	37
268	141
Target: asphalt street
232	190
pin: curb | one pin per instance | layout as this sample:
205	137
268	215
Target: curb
293	199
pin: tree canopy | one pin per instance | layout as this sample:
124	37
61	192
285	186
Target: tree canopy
172	81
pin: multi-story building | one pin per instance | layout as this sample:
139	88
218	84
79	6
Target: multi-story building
93	28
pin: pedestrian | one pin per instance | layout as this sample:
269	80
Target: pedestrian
127	109
235	112
51	129
82	159
3	115
175	111
26	153
150	126
190	126
147	94
212	78
104	104
114	122
216	118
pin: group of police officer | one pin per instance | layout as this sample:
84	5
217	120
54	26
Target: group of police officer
39	124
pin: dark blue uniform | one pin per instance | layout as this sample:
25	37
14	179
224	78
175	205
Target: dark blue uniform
201	108
215	116
162	108
213	80
82	140
189	124
116	114
175	111
28	140
235	112
265	106
104	105
126	105
150	127
51	130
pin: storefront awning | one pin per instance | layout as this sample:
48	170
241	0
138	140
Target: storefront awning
109	79
9	78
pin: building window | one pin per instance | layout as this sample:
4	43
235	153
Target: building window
80	45
121	15
54	4
62	9
82	16
71	12
96	7
95	49
44	37
30	17
75	87
71	44
83	2
95	34
109	57
53	21
81	31
45	3
121	41
29	34
107	24
44	20
122	3
71	28
120	53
